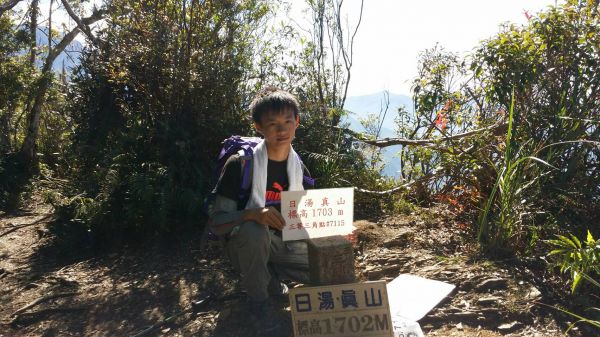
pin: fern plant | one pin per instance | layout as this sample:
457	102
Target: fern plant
576	258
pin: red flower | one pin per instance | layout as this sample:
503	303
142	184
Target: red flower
441	121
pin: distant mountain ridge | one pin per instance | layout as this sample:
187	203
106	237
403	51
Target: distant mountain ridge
360	107
69	57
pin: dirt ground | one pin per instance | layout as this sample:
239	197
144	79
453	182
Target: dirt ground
147	289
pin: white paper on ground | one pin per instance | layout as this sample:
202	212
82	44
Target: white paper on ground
412	297
405	328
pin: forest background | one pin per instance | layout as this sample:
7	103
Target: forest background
123	147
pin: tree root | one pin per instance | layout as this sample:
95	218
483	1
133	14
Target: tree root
31	316
38	301
26	225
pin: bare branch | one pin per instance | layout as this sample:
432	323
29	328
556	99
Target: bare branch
496	128
474	98
386	101
50	26
348	56
83	27
362	3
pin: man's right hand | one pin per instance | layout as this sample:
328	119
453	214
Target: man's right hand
268	216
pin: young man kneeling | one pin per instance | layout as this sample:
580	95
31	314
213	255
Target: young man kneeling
251	224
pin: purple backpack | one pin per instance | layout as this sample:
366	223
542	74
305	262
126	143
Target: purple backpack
244	146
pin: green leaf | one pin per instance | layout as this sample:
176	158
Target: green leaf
557	251
567	241
576	280
576	241
590	239
556	243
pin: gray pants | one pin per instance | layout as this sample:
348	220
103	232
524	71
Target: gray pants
257	253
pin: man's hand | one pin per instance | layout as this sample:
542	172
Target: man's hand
268	216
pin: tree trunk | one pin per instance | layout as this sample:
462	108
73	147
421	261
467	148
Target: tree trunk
5	7
5	118
33	11
29	147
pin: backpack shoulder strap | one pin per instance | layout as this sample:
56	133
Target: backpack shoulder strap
246	166
246	175
306	176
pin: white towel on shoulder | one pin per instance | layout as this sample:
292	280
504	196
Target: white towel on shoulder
260	160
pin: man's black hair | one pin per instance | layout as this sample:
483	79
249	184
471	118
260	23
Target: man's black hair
272	99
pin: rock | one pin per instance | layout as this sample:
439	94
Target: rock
533	293
31	286
492	284
391	269
374	274
491	314
399	240
41	232
385	259
428	269
487	301
397	260
507	327
463	316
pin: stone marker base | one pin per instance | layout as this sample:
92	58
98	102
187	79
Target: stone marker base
331	261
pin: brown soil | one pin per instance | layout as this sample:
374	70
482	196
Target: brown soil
52	290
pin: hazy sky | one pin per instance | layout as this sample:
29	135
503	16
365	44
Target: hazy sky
393	32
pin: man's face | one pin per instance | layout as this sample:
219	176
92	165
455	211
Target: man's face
278	128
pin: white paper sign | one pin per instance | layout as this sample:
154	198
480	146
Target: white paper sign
343	310
317	213
412	297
